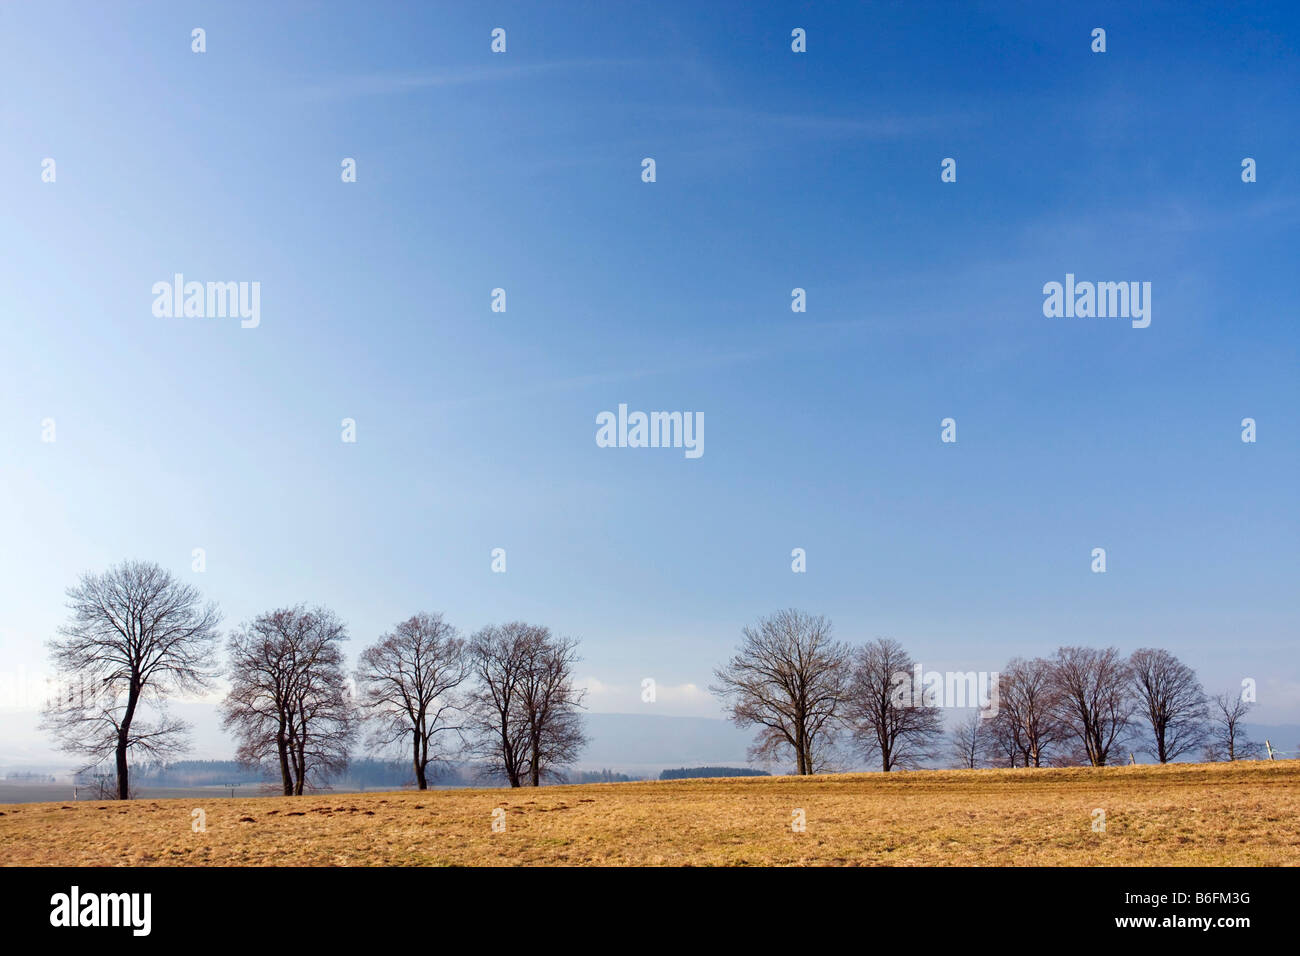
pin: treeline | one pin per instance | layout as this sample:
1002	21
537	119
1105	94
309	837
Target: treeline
193	773
367	772
599	776
818	701
360	773
691	773
502	698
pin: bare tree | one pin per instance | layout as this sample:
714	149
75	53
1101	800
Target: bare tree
137	635
288	701
1171	700
407	681
1028	706
1094	696
499	663
323	718
257	707
890	718
788	679
971	740
1227	737
1006	749
524	707
551	705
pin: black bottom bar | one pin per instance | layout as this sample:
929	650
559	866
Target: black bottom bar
421	906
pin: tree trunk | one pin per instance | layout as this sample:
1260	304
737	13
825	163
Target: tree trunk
535	758
286	778
420	782
123	739
123	785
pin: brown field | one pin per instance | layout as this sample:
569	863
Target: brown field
1207	814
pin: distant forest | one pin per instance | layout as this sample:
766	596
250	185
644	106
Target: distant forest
688	773
28	776
361	773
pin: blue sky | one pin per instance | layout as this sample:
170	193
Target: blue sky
775	170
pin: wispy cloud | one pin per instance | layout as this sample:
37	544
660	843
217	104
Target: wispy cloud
578	382
396	84
898	126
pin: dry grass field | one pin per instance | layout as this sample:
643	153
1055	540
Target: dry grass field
1208	814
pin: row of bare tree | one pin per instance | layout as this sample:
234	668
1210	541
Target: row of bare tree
815	699
138	636
805	691
1083	704
506	695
